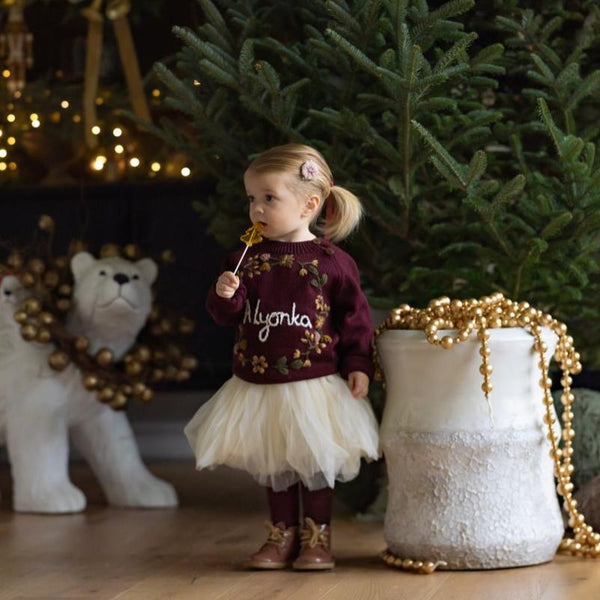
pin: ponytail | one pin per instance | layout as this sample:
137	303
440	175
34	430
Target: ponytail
343	212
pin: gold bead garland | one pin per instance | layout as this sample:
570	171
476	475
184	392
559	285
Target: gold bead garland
493	312
407	564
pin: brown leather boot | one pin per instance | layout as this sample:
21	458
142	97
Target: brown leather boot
280	549
315	547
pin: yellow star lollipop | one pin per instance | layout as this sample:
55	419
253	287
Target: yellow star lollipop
250	237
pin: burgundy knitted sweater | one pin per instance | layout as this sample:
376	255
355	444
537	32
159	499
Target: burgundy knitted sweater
300	313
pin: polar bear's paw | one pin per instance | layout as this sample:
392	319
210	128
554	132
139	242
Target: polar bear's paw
50	498
145	491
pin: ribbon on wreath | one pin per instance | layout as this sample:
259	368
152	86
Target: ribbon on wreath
116	11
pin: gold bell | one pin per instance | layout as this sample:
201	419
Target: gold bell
59	360
104	357
46	223
90	382
82	343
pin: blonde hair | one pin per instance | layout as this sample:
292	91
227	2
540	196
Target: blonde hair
345	210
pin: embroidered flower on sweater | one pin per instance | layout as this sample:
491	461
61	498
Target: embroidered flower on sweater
259	364
287	260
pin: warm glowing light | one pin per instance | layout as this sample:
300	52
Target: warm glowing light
10	118
11	141
156	92
99	163
55	117
185	172
76	118
196	82
12	166
3	152
96	130
3	166
33	116
119	149
6	73
99	101
155	166
64	104
134	162
17	95
117	132
1	133
35	123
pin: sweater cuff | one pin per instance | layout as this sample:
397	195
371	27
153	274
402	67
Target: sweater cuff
225	310
357	363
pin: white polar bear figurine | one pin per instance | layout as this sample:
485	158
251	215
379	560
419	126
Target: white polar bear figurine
41	408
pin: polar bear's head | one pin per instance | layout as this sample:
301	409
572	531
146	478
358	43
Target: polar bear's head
112	297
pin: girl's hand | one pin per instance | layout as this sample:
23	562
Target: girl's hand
358	382
227	284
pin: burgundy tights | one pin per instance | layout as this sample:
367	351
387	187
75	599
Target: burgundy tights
285	506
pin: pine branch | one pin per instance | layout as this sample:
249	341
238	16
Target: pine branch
551	127
457	170
585	89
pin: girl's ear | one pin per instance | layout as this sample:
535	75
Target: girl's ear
313	203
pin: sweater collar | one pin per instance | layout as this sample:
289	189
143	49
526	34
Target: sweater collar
274	247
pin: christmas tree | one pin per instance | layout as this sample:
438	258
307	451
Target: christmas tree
467	130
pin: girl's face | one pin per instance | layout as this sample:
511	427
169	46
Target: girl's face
284	214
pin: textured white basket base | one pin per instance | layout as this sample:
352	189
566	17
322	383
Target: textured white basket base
477	500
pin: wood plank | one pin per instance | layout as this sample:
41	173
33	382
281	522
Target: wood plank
196	552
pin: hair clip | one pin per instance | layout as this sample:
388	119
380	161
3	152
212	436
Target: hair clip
309	170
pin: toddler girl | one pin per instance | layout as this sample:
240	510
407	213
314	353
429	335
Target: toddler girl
295	413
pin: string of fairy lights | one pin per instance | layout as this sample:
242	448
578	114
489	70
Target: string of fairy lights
122	151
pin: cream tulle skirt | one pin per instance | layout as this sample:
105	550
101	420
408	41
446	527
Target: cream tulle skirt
312	431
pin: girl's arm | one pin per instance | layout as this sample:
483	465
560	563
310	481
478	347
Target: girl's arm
225	311
352	317
225	300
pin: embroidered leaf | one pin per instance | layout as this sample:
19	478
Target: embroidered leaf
281	365
323	279
315	283
296	364
313	270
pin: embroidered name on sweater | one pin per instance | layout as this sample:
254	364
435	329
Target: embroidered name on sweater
274	319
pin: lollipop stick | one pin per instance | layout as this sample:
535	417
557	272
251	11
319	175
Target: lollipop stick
241	259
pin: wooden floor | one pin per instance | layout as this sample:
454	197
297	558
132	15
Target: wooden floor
195	552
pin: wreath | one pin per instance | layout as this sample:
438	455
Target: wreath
156	357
